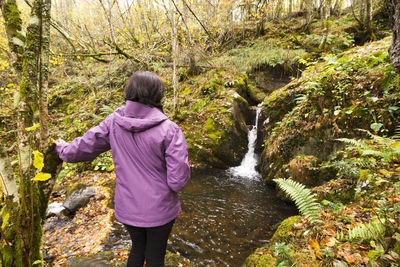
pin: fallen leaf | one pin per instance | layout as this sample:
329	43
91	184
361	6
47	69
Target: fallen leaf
317	249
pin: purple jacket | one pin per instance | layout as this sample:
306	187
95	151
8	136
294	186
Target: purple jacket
150	156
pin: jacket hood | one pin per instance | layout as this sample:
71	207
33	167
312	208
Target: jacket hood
137	117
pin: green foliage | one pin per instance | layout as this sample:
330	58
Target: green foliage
376	252
104	162
397	133
305	200
282	253
372	230
336	43
269	52
384	148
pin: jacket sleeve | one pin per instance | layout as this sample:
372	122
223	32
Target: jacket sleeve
89	146
176	157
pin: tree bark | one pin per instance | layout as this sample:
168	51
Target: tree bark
325	13
22	236
368	17
174	57
8	184
393	7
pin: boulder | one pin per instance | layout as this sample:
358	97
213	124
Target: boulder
78	199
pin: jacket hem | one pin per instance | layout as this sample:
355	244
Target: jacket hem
147	224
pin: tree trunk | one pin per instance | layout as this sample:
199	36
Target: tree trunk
368	17
174	56
308	9
393	7
325	13
21	238
362	13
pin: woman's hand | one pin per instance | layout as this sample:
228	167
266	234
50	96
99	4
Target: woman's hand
59	142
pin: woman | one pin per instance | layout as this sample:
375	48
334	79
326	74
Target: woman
150	156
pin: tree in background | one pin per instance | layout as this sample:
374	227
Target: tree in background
26	187
393	7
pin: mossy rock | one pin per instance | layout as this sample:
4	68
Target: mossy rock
255	94
303	169
281	234
262	257
73	187
175	259
249	91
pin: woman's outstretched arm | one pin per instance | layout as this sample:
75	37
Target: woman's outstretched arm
89	146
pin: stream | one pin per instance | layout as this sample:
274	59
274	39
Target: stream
225	215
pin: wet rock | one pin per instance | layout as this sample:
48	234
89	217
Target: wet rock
95	260
78	199
54	209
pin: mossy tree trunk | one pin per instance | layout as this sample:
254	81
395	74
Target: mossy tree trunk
393	7
21	235
325	14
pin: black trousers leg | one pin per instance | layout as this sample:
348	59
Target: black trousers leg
150	244
138	237
156	245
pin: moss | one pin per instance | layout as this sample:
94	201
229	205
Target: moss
281	234
212	129
175	259
255	94
260	258
74	187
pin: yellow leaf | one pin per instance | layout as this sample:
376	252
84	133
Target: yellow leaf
41	176
316	247
397	144
32	128
5	220
38	160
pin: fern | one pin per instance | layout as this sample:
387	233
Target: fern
385	147
305	200
397	133
107	110
372	230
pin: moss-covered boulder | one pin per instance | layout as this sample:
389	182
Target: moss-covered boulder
261	257
213	115
282	233
355	90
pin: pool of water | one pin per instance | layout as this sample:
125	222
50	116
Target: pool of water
223	220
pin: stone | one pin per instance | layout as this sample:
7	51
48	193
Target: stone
78	199
54	209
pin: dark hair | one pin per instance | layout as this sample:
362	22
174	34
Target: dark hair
145	87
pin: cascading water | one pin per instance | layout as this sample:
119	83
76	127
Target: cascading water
247	168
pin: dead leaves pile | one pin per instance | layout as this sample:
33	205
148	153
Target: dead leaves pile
84	233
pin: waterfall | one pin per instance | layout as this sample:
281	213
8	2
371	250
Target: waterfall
247	168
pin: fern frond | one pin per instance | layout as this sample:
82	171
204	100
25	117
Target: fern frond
371	152
106	110
353	142
374	229
304	199
397	133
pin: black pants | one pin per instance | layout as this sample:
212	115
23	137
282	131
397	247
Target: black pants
148	243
